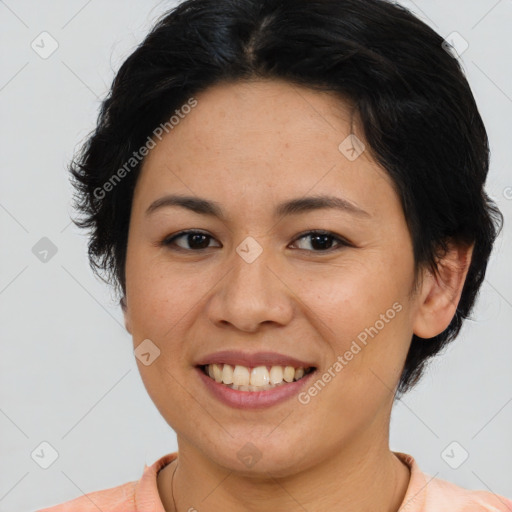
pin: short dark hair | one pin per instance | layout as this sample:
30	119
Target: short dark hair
419	118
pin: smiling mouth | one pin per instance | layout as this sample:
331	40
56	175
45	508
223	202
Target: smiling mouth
259	378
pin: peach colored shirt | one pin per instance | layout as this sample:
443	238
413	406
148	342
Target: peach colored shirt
424	494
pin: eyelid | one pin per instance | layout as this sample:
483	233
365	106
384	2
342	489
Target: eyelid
167	241
342	242
321	232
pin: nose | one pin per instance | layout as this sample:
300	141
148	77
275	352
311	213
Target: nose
251	294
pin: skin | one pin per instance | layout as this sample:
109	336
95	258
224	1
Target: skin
250	146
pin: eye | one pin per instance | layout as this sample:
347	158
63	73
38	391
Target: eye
322	241
197	240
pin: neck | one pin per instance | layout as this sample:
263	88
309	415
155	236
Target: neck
347	481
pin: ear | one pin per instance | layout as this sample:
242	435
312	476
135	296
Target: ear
440	292
126	314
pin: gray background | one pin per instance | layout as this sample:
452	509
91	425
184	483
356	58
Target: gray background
67	370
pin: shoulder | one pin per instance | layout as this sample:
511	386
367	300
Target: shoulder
115	499
441	492
139	495
429	494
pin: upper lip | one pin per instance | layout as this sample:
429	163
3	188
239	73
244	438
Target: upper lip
235	357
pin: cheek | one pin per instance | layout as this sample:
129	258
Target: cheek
362	311
161	301
160	295
366	338
354	295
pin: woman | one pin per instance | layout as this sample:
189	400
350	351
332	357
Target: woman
288	196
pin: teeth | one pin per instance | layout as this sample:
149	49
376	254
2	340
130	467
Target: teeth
241	376
289	374
227	374
276	374
299	373
259	378
217	372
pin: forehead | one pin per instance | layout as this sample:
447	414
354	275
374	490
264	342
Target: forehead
274	112
264	139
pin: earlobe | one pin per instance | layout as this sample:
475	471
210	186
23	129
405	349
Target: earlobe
126	314
440	291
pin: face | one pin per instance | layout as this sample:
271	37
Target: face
255	285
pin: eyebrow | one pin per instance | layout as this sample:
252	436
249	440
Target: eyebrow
290	207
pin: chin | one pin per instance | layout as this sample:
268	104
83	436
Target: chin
259	455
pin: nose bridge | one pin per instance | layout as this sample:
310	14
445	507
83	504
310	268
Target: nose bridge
251	293
250	264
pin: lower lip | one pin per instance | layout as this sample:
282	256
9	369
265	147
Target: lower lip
254	399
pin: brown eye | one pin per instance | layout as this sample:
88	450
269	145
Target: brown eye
318	241
322	241
192	240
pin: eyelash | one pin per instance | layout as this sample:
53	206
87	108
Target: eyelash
168	241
